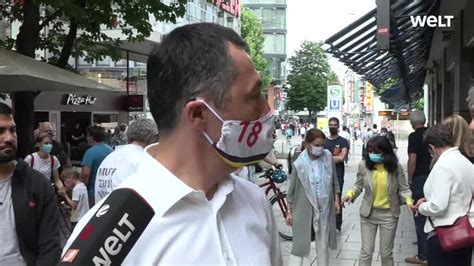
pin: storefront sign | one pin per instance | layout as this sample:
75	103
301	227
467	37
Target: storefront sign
135	103
231	6
386	113
369	96
73	99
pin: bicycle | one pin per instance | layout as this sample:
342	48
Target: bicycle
279	197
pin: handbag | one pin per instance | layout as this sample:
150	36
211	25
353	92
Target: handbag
455	236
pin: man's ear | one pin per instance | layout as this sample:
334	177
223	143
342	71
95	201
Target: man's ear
432	148
194	112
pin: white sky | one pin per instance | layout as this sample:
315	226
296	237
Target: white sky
317	20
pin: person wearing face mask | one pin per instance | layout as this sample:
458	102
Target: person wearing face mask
339	148
205	96
382	178
313	198
58	149
43	162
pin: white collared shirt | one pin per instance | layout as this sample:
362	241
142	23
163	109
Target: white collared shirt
236	227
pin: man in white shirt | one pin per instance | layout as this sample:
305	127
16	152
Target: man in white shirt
205	96
345	134
125	160
302	131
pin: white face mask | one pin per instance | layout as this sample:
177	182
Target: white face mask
243	143
317	150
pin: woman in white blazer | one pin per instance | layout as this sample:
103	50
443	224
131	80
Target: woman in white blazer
448	194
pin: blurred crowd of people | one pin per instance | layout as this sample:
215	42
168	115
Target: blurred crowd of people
437	189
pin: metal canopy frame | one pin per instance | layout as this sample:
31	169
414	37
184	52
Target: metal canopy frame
356	47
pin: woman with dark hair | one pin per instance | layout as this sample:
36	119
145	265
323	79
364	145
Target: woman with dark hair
382	178
313	200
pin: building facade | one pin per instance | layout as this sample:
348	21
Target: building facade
226	13
450	72
272	14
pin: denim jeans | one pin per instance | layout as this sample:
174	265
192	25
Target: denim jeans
417	193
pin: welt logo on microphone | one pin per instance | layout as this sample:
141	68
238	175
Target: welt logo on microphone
112	232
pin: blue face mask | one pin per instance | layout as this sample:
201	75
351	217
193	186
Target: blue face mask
376	157
47	148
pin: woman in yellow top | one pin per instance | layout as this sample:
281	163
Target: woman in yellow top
383	180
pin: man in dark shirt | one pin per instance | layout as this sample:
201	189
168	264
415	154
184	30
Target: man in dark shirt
418	167
339	147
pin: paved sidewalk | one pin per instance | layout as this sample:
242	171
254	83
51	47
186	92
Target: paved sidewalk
349	241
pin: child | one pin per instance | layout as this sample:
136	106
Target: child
80	201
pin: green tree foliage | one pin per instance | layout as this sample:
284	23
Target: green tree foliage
252	32
419	104
386	85
333	78
76	28
308	78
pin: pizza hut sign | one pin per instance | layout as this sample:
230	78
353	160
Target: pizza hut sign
73	99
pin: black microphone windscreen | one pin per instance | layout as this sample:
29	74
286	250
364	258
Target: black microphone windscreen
112	232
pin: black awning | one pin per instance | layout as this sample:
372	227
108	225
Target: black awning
405	61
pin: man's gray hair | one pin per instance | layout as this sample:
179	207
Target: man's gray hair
142	129
417	118
470	97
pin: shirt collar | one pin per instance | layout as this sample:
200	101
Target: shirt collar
132	146
450	150
169	189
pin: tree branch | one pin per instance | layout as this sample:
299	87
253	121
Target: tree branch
48	19
68	44
70	38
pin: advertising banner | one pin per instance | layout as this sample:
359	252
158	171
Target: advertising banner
369	97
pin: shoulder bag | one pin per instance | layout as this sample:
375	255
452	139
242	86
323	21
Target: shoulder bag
455	236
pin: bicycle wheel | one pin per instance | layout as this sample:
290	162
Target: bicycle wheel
285	231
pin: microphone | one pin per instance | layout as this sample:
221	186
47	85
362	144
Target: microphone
112	232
